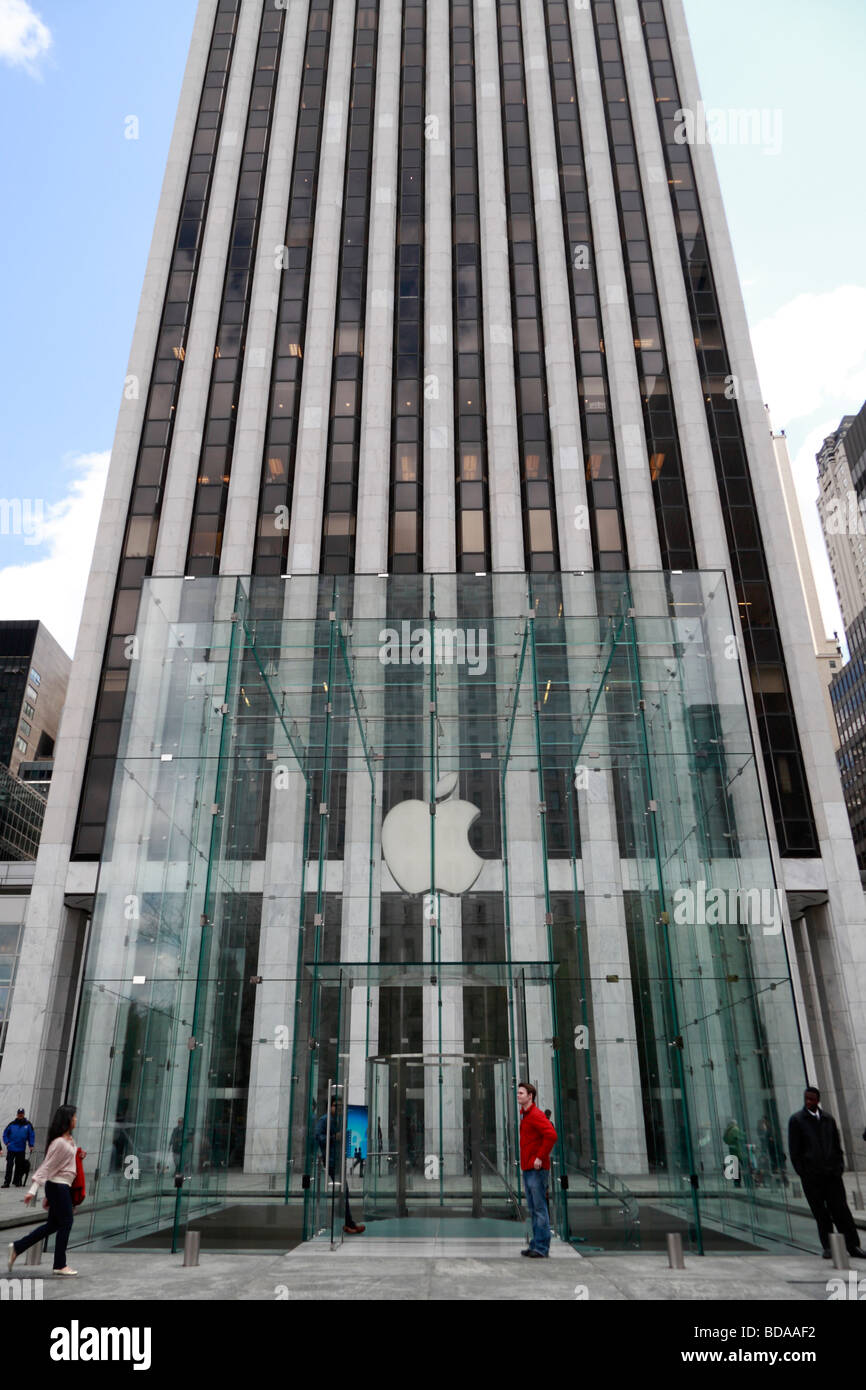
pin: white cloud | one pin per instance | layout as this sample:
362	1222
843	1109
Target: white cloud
24	37
52	588
811	355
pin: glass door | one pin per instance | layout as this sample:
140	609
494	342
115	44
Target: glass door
327	1120
441	1143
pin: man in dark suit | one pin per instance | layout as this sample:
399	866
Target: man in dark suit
816	1154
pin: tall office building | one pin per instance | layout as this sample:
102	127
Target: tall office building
828	653
34	671
445	709
842	510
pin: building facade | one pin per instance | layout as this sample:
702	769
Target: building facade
445	709
828	652
34	671
842	508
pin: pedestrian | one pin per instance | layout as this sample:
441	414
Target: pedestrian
176	1143
17	1135
772	1157
351	1227
816	1156
58	1171
735	1140
537	1138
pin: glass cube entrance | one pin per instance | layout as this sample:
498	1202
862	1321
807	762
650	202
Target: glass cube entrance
405	841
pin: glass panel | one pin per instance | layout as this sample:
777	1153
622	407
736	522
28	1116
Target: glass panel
408	841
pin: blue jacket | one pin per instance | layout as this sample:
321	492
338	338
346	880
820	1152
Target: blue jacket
321	1135
17	1135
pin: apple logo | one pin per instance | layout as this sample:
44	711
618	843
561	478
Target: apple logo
406	842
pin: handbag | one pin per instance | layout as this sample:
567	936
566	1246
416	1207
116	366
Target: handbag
78	1190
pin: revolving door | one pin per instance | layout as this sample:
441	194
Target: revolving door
424	1136
441	1138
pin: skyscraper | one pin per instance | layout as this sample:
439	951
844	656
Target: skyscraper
828	652
841	509
34	670
841	506
442	477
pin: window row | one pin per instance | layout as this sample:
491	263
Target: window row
341	469
789	794
676	540
139	544
407	397
278	463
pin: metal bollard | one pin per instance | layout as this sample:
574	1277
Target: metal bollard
191	1248
676	1259
34	1255
839	1251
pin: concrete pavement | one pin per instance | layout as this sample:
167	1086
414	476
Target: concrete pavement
407	1271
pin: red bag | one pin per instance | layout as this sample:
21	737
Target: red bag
78	1188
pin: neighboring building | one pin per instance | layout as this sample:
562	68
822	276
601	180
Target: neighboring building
16	880
22	810
37	775
445	710
842	506
828	653
841	509
848	693
34	672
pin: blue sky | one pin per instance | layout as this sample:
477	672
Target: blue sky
80	201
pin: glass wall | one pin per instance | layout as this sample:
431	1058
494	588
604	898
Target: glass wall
405	841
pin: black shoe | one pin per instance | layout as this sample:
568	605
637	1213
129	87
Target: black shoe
4	1184
857	1254
826	1255
535	1255
526	1251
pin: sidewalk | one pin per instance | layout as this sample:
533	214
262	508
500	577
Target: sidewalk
412	1271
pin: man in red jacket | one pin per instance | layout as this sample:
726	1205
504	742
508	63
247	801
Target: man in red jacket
537	1138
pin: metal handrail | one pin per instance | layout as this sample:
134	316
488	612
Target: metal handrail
511	1193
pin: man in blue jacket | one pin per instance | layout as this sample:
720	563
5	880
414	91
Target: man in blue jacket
330	1142
16	1136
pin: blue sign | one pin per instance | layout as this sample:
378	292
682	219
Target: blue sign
356	1131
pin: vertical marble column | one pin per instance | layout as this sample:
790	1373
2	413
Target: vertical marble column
375	455
275	1045
440	539
250	431
631	450
177	503
575	545
506	516
305	527
617	1092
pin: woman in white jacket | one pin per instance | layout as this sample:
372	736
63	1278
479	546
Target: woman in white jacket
57	1172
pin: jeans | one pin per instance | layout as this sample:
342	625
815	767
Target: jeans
348	1210
535	1182
59	1219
